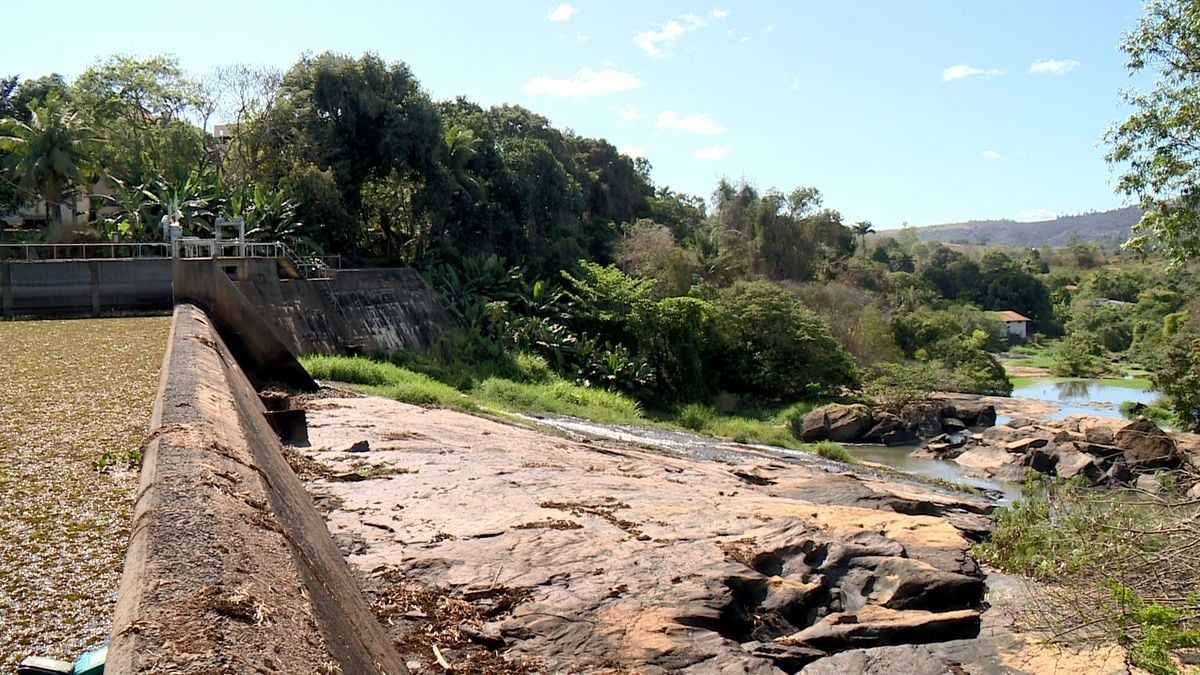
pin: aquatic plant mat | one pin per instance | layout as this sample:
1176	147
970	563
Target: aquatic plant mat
75	399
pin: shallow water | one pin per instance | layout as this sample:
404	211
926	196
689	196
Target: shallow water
900	458
1099	398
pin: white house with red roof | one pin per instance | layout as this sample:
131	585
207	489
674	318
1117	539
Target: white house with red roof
1016	325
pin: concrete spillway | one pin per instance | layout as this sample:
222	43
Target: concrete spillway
230	568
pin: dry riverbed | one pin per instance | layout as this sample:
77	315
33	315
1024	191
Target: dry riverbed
75	399
499	549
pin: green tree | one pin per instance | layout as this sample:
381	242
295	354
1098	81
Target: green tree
370	124
144	111
1156	145
48	156
769	344
1178	377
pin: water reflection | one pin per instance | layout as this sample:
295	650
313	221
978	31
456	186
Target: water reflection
1100	398
1074	390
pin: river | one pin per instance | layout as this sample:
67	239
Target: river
1098	398
1072	396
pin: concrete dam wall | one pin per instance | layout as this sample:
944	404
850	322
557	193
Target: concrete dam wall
230	569
374	312
90	287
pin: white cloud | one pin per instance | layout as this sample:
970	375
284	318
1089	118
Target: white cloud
563	12
769	29
1036	214
582	84
991	154
582	38
628	112
693	123
1053	67
656	42
711	152
962	71
795	86
745	39
718	13
634	152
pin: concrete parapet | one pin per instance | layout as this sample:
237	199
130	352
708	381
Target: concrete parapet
230	568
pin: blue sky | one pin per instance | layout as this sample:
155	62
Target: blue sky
919	112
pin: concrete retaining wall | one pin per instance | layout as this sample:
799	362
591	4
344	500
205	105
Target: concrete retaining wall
85	286
230	568
358	311
247	328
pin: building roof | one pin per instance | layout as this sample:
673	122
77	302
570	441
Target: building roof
1009	315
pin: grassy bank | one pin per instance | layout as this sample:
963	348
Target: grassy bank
555	396
1122	382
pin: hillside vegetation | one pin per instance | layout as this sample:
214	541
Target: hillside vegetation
1107	228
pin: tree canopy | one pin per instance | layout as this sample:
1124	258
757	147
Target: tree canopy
1159	144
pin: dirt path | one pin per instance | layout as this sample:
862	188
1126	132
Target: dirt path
73	395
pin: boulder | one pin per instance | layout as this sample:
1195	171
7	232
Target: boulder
1026	444
1001	435
988	458
977	414
847	423
1019	423
1146	447
875	626
953	425
1099	450
1098	435
1149	482
928	428
884	423
926	418
1039	460
815	426
901	437
1117	473
1072	463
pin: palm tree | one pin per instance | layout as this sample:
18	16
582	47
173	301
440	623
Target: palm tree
49	155
461	147
862	228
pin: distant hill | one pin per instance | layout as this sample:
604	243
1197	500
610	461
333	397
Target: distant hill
1107	228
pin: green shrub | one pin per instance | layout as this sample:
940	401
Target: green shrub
532	367
696	416
1076	356
1118	565
834	451
895	385
675	335
560	397
352	369
771	345
793	416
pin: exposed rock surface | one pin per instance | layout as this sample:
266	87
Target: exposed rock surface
1097	451
926	419
576	557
